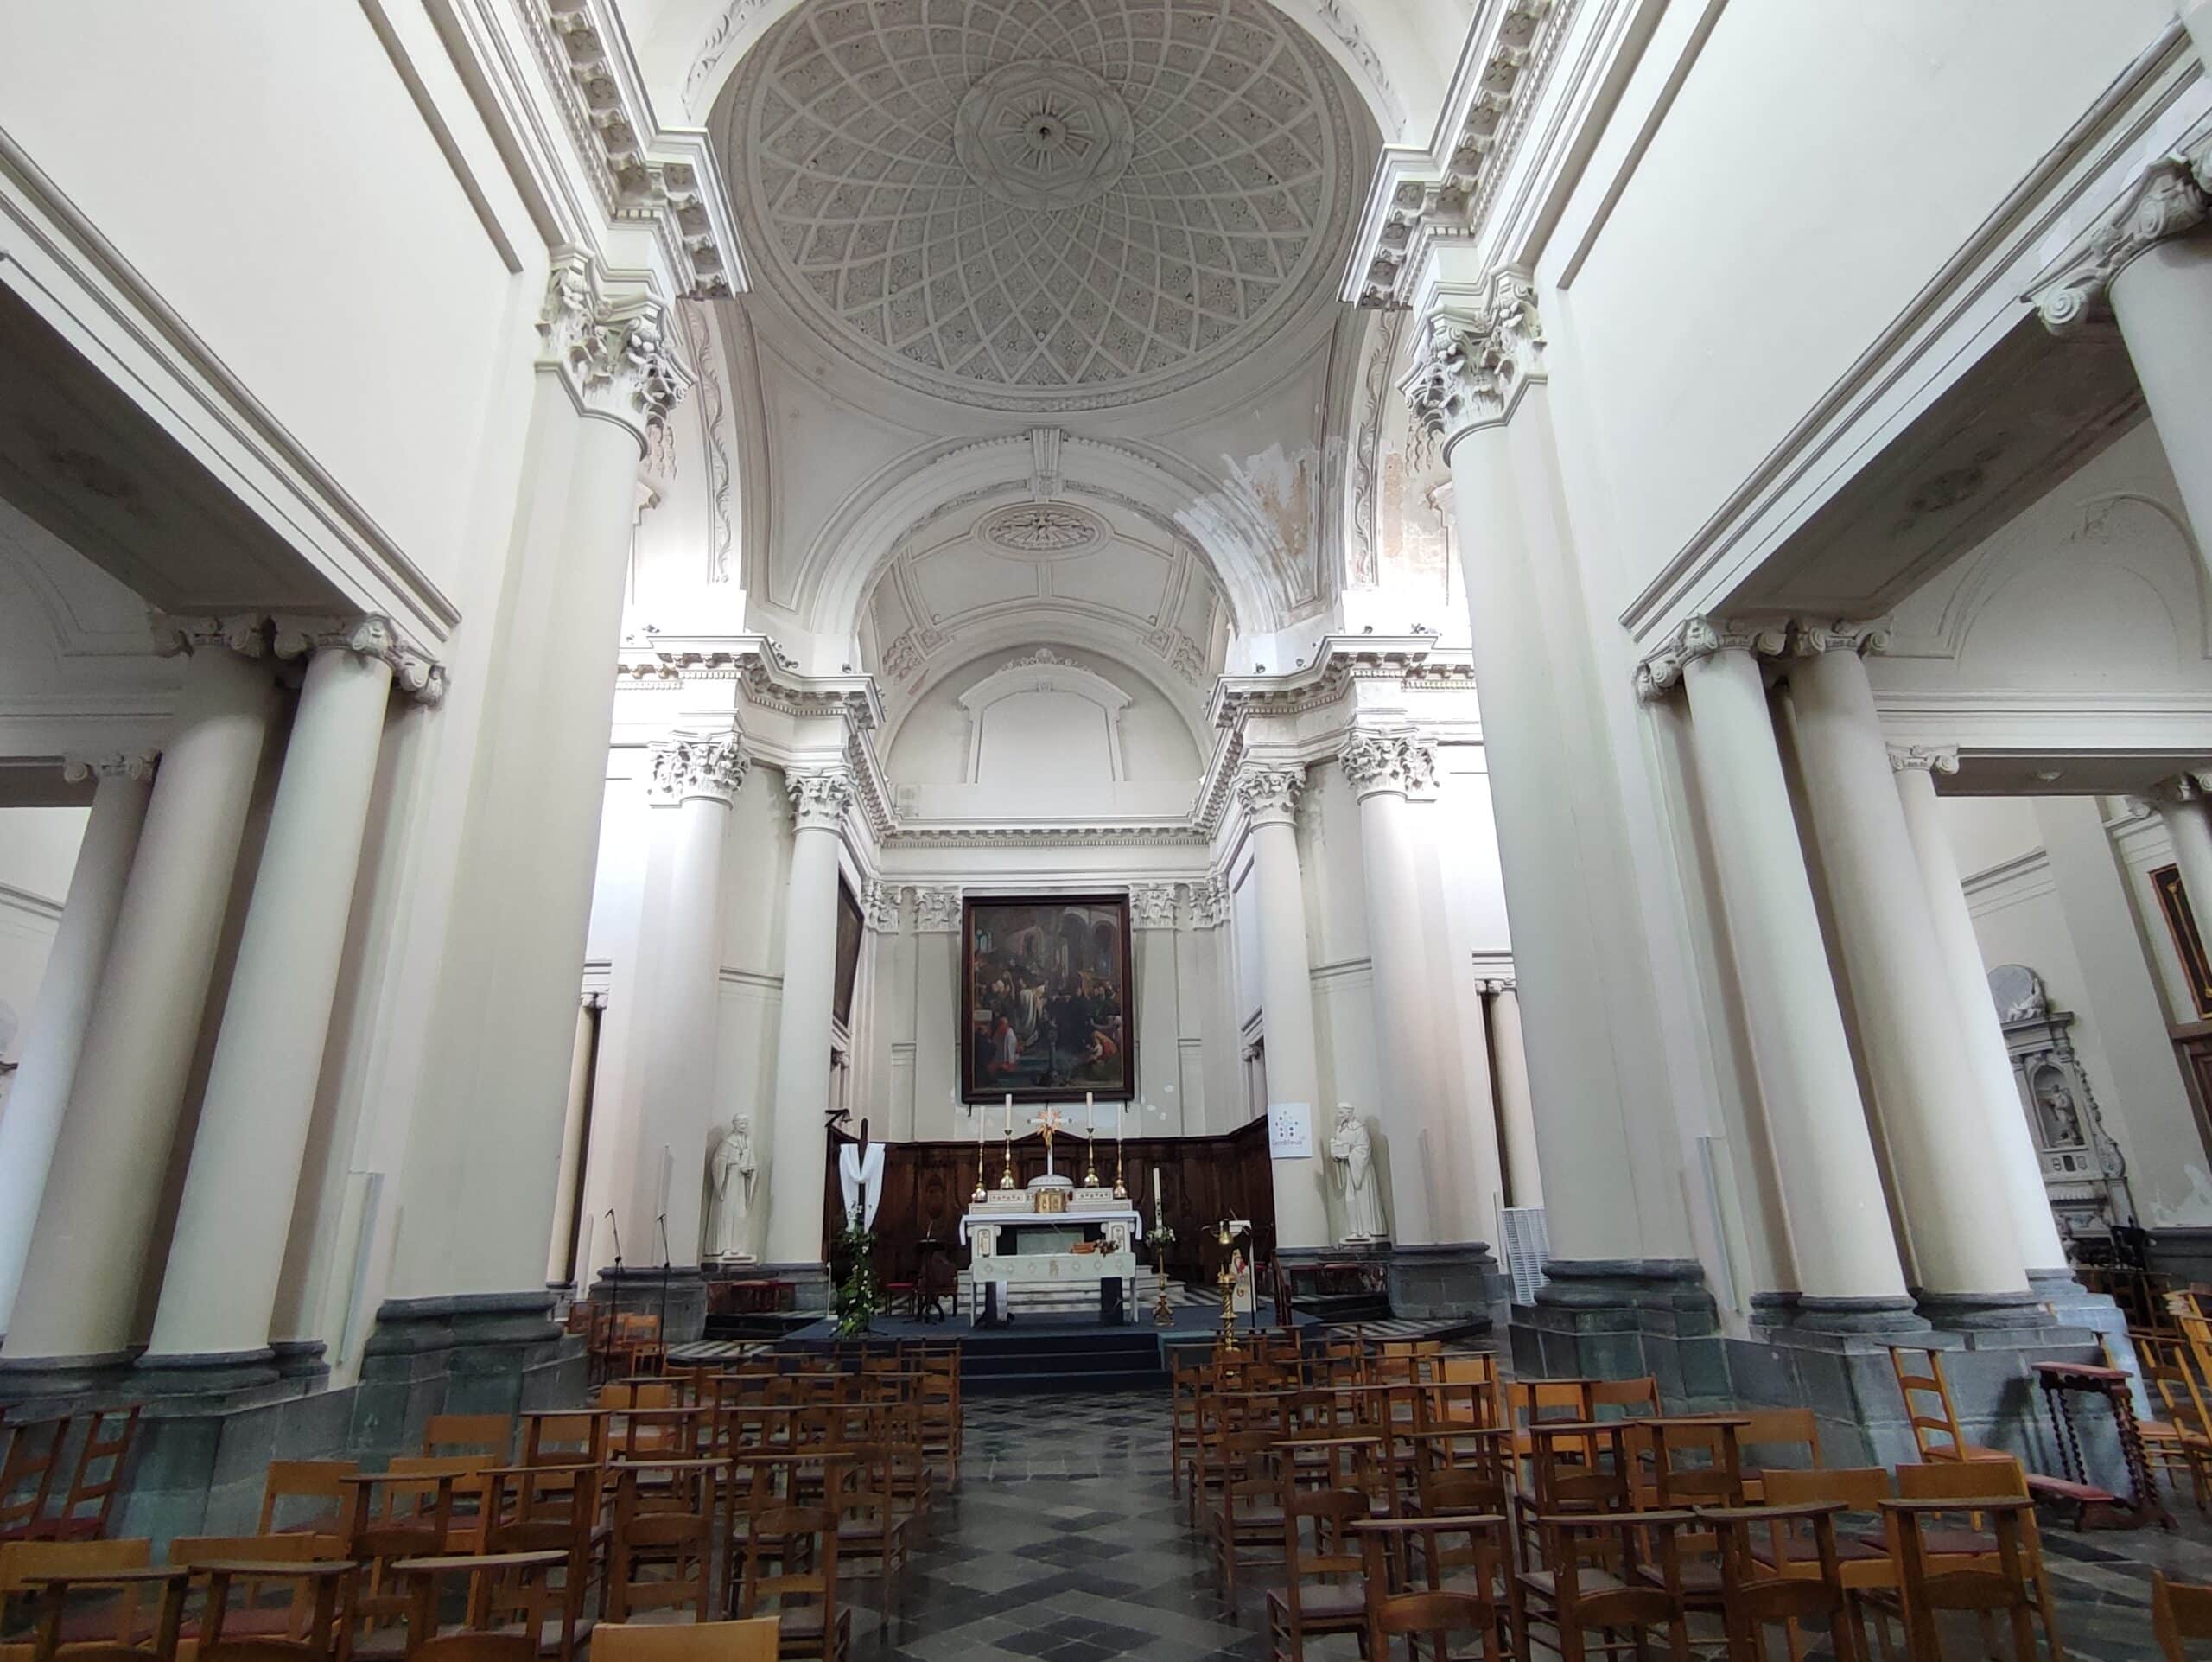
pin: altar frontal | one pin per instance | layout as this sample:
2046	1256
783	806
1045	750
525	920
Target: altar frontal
1053	1230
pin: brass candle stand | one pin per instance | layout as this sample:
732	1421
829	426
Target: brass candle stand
1090	1161
1006	1176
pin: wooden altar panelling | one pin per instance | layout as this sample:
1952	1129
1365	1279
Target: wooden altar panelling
1203	1180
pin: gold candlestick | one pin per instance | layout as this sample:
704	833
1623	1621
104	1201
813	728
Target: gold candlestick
1162	1313
1120	1171
1006	1177
1227	1343
1090	1161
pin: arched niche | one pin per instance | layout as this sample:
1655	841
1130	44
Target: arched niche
1046	721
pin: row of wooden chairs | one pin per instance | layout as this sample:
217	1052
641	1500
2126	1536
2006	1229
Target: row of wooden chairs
33	1507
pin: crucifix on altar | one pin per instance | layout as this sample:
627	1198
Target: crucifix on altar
1048	1123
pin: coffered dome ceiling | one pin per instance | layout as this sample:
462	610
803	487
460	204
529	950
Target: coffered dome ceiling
1039	205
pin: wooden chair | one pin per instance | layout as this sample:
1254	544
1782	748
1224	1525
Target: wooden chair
26	1473
661	1546
316	1613
1248	1510
1324	1567
1577	1469
534	1509
1929	1408
1964	1487
564	1439
1863	1559
126	1591
2179	1610
96	1480
1760	1589
1693	1462
702	1641
471	1475
790	1558
491	1435
1763	1429
2000	1581
390	1520
25	1565
1632	1398
276	1606
500	1586
307	1498
1604	1572
1186	1381
1471	1588
2178	1442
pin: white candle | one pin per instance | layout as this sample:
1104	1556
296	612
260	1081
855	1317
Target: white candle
1155	1197
1089	1130
1009	1113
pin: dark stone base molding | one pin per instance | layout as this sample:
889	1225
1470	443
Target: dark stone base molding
677	1296
1619	1318
1983	1312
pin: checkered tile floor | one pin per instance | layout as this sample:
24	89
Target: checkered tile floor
1064	1543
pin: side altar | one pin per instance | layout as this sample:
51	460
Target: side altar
1051	1231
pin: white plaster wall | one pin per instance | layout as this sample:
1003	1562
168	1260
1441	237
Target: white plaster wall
38	851
259	164
1816	166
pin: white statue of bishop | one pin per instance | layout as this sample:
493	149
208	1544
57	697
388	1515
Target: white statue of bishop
729	1171
1352	1152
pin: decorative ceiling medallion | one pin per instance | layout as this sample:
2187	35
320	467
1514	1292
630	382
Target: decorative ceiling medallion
1035	530
1046	137
1041	207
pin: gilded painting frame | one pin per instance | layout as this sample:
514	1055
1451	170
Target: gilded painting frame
1046	998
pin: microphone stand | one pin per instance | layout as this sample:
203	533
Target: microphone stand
616	1294
616	1225
664	1255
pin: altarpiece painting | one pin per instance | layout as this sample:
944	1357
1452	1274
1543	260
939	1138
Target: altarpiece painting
1045	1006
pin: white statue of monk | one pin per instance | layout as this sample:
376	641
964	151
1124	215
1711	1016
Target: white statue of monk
729	1172
1352	1152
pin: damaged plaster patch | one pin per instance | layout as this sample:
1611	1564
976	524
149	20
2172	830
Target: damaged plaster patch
1275	489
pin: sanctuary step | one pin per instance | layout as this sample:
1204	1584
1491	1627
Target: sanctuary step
1048	1353
1076	1298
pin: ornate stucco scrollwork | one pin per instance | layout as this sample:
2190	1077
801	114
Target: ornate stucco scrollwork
417	675
936	910
613	347
712	767
1269	792
1660	672
1924	758
1475	361
2170	198
1152	906
821	795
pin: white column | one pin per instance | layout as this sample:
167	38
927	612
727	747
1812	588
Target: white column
80	1284
1516	1112
1270	795
228	1249
1158	1028
574	1130
937	1002
1464	1125
2011	1143
1965	1244
1408	1047
1849	1274
32	1121
1480	390
475	1202
2150	264
696	779
799	1168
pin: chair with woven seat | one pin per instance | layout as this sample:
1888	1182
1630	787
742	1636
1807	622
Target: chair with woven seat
1469	1587
2000	1581
1605	1574
790	1563
533	1509
1323	1590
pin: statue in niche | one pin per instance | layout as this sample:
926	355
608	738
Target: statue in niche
1352	1153
730	1169
2061	1118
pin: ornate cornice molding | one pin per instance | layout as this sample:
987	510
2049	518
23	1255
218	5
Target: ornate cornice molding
820	795
770	680
1697	637
1440	193
1415	661
414	671
1268	792
1476	359
2172	197
1152	906
710	766
611	345
1923	759
640	173
125	764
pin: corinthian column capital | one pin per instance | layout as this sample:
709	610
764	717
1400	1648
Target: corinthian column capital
710	766
1387	763
936	910
1269	792
414	673
879	907
610	345
1696	638
821	795
2170	198
1475	361
1152	906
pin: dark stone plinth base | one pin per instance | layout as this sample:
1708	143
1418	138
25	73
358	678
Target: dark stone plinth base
1620	1318
469	1354
1983	1312
1849	1383
680	1298
1896	1319
31	1382
1456	1280
205	1373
